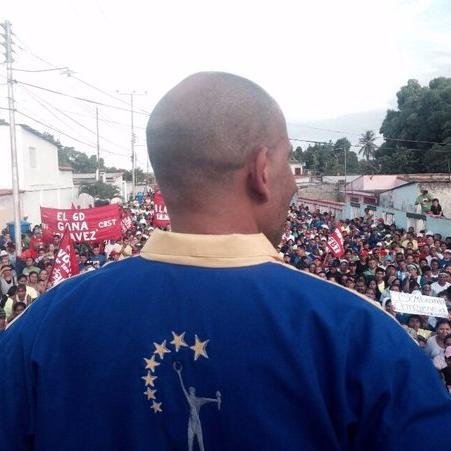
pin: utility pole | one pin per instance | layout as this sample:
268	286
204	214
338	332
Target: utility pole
98	146
12	134
133	137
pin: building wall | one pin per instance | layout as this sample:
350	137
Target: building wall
5	155
40	179
400	218
442	191
403	198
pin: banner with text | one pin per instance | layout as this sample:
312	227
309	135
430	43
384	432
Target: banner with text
66	264
89	225
417	304
161	217
335	243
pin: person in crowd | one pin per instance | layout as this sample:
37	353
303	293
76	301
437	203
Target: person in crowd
7	279
415	322
2	319
446	370
97	256
441	284
29	266
436	209
424	200
436	343
224	240
11	299
17	309
439	360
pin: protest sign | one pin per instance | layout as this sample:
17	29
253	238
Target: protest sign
85	225
417	304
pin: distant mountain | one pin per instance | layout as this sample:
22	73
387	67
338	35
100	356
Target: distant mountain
350	126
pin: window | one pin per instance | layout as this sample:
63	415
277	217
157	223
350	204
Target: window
297	171
33	159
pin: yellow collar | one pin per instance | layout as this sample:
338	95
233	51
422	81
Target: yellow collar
212	251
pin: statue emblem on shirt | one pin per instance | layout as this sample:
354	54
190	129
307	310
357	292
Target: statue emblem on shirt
193	401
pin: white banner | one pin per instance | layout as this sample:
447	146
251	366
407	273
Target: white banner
417	304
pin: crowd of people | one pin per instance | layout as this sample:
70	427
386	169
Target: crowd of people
378	259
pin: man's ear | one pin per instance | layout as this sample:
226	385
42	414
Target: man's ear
259	173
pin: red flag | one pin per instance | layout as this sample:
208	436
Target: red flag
66	264
161	217
335	242
126	222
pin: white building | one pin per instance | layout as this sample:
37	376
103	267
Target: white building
41	181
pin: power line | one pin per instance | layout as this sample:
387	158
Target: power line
446	150
107	121
70	73
66	134
42	102
82	99
39	70
344	132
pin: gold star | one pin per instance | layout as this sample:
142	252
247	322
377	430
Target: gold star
161	350
148	379
151	364
156	406
199	348
178	341
150	393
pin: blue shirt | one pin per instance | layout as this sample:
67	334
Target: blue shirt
212	339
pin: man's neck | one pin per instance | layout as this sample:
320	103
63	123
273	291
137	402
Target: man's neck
217	224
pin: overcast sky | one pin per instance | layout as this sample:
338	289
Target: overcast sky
319	59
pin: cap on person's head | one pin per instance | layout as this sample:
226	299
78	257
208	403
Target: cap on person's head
379	244
429	233
3	253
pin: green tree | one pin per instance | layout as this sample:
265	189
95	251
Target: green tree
368	146
100	190
418	134
297	154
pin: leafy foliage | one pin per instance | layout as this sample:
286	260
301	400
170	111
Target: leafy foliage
367	141
328	159
424	114
100	190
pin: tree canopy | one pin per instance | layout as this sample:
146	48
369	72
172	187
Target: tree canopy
100	190
418	134
328	158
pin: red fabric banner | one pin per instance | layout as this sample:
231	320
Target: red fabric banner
335	243
66	264
126	222
88	225
161	217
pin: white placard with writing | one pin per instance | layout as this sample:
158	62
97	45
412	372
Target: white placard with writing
417	304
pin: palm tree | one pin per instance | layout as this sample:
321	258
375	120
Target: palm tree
368	146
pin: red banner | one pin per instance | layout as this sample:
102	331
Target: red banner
336	243
66	264
88	225
126	222
161	217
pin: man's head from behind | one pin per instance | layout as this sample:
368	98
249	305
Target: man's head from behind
219	147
